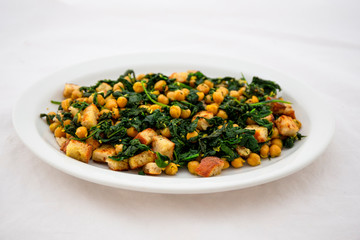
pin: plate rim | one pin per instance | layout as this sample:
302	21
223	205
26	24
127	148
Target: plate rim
165	185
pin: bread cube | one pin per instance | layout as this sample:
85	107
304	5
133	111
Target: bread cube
89	116
152	169
243	151
118	165
79	150
119	148
286	126
210	166
93	142
261	133
60	140
146	136
141	159
103	87
102	153
69	89
163	145
179	76
202	123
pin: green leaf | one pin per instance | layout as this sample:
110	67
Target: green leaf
161	160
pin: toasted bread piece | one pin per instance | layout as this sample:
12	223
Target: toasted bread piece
163	145
180	76
89	116
286	126
102	153
119	148
210	166
79	150
118	165
103	87
152	169
202	123
69	88
94	143
146	136
243	151
261	133
141	159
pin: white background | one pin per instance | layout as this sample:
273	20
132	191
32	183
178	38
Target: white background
316	41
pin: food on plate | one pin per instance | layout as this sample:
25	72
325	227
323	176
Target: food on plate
156	124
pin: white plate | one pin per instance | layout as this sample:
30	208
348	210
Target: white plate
318	125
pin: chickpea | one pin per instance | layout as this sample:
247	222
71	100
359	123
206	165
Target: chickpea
104	111
191	135
166	132
131	132
213	108
237	162
222	114
59	132
218	97
81	132
192	165
68	136
145	106
226	163
185	91
208	99
241	91
209	83
156	92
65	104
53	126
111	103
171	169
127	79
109	98
140	76
78	115
253	159
100	99
275	151
115	113
192	82
67	122
118	87
278	142
185	113
175	111
160	85
121	102
171	95
234	94
203	88
52	113
235	125
275	133
253	99
138	88
249	121
179	95
201	96
154	107
223	90
264	151
163	99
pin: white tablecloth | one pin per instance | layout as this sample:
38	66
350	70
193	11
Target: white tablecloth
315	41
